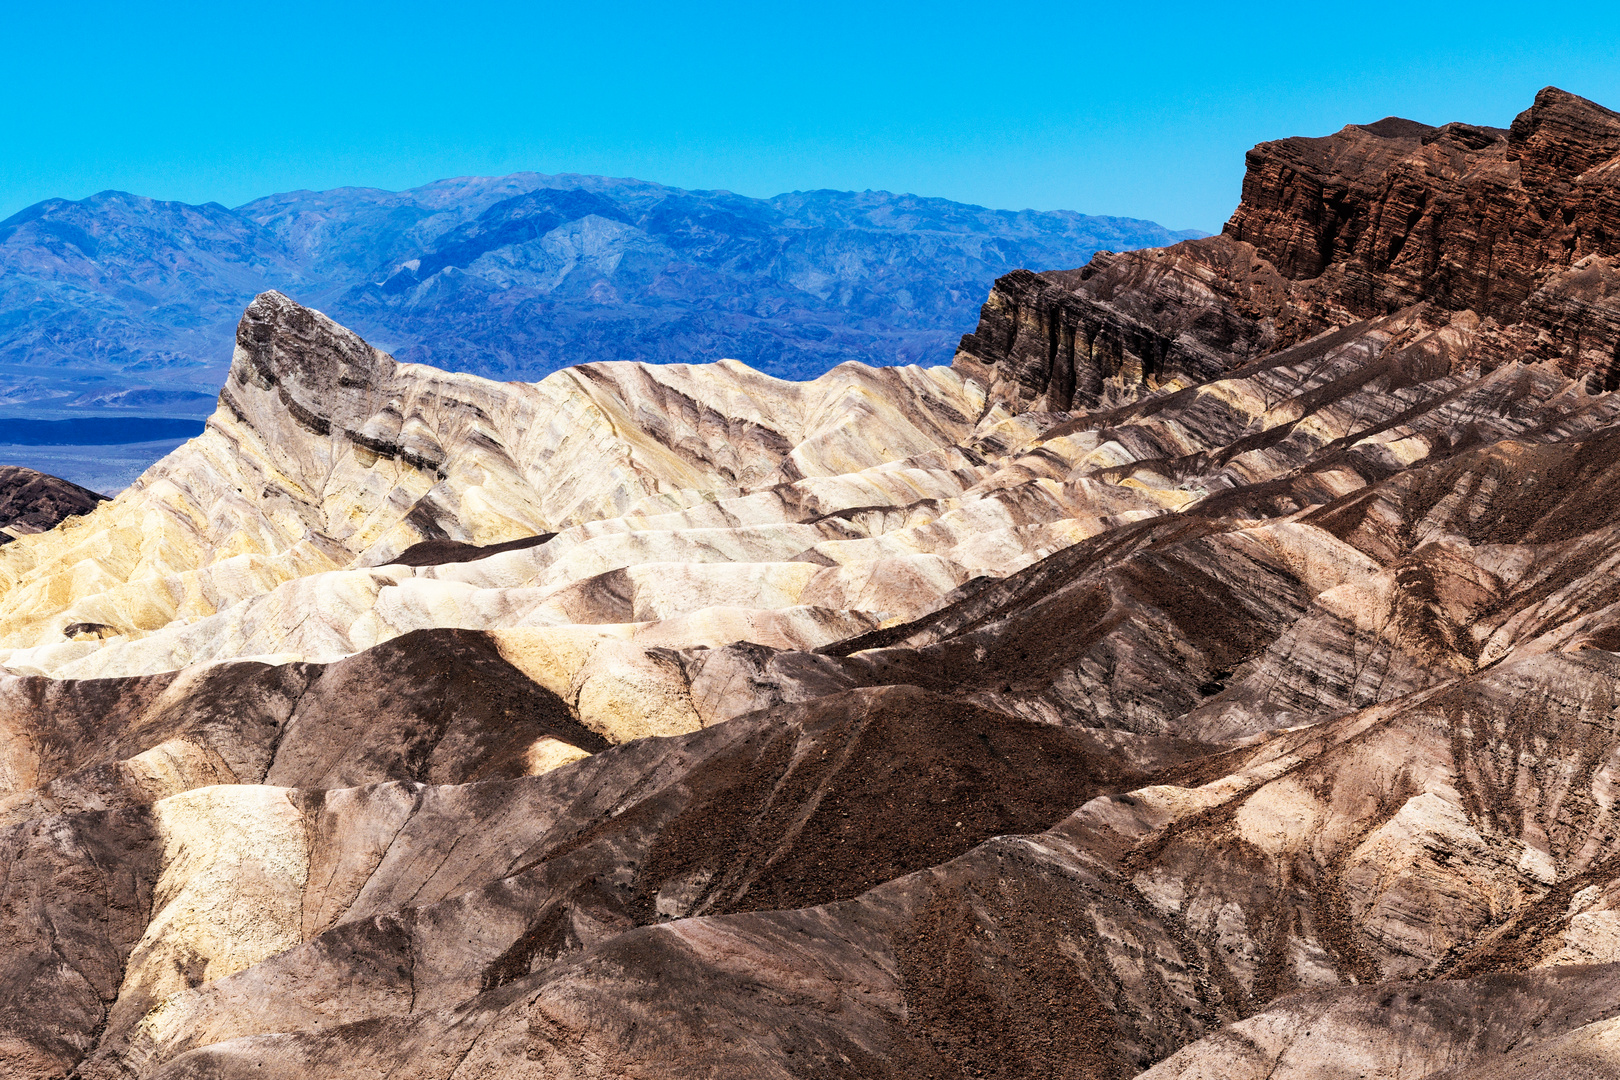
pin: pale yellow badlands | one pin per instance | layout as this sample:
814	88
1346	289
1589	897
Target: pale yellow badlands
694	506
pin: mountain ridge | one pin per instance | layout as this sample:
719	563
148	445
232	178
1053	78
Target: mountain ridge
323	244
118	303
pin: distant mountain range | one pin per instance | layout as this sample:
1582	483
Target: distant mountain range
119	302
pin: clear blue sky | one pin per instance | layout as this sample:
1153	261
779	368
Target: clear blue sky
1121	108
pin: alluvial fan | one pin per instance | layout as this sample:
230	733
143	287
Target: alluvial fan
1209	673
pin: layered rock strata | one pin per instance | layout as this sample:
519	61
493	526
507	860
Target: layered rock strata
1216	673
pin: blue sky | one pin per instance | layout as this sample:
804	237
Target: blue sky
1127	108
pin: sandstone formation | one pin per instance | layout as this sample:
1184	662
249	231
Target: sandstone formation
1215	673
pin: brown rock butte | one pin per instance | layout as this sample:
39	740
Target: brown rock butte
1217	675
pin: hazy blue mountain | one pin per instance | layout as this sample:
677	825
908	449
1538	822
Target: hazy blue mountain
516	276
118	283
118	303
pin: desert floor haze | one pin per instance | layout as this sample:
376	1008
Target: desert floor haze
1206	675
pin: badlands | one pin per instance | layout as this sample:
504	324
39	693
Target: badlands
1206	675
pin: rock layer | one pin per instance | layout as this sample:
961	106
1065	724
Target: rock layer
1215	673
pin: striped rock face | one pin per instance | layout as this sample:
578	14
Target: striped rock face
1207	675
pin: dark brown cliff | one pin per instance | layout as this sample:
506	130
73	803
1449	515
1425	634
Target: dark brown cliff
1520	226
1090	338
1469	217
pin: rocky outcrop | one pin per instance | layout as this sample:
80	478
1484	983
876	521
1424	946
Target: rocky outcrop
1231	694
33	502
1519	227
1468	217
1127	325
